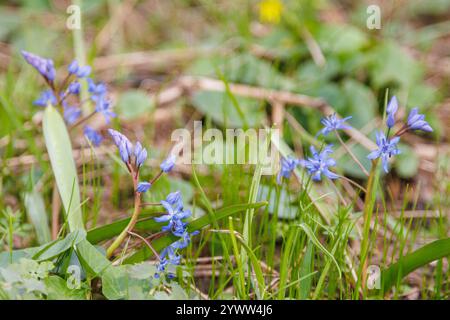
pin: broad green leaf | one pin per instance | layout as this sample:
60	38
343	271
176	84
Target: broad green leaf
341	39
361	103
220	108
115	283
390	64
34	203
433	251
407	162
133	104
94	261
59	150
57	289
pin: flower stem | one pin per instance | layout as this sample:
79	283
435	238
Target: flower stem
118	241
351	154
369	201
134	217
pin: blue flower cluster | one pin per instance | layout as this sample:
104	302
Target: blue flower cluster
320	161
66	95
175	214
387	147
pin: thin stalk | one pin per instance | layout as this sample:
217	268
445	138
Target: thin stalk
351	153
367	215
80	55
134	218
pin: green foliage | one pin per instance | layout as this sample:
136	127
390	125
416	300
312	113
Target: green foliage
59	149
133	104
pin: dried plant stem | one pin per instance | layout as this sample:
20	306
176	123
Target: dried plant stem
351	153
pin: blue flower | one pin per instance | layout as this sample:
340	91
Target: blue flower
96	89
124	145
143	187
71	114
140	154
175	199
44	66
416	121
386	149
80	72
287	166
173	212
333	123
74	87
185	239
168	163
168	257
46	97
94	137
103	106
391	109
319	162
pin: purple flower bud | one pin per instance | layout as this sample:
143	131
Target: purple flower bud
140	154
416	121
74	87
44	66
143	187
168	164
73	67
123	144
391	109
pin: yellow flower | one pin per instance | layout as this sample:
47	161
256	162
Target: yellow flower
270	11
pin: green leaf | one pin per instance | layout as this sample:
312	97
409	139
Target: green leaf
220	108
57	289
57	247
34	203
361	103
391	65
94	261
433	251
115	283
59	150
341	39
133	104
407	162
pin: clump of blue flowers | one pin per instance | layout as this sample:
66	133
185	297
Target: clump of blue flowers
319	163
175	214
387	146
134	157
66	93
